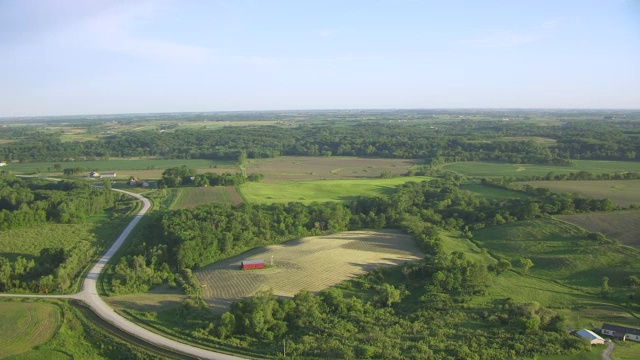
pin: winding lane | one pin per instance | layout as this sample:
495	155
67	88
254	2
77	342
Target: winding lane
89	295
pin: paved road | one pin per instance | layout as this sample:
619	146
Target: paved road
90	295
606	355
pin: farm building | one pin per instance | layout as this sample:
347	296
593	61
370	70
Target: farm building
252	264
2	163
94	174
621	332
108	175
594	339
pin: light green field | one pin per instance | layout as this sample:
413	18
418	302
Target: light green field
195	196
25	325
322	190
489	192
621	192
496	169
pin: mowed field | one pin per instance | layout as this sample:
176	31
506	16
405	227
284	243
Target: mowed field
496	169
621	192
623	226
25	325
308	191
287	168
192	197
312	264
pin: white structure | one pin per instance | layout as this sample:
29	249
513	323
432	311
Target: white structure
2	163
108	175
621	332
594	339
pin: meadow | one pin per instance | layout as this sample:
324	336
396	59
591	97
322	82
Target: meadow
497	169
623	226
191	197
25	325
562	252
621	192
312	264
322	190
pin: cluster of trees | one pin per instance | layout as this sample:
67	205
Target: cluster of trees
579	176
447	142
26	202
182	175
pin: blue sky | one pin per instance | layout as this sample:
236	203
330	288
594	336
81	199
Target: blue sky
98	57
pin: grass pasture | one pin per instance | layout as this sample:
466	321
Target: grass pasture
287	168
25	325
312	264
561	252
623	226
621	192
497	169
322	190
195	196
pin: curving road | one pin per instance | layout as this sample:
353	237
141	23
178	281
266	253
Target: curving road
90	295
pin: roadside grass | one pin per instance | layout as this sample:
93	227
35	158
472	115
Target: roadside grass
498	169
561	252
489	192
621	192
25	325
623	226
194	196
322	190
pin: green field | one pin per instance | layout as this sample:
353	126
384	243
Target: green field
489	192
322	190
25	325
117	165
623	226
621	192
496	169
195	196
561	251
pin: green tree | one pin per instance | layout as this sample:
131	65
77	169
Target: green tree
525	264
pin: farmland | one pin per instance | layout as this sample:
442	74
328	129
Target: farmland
322	190
311	264
25	325
561	251
495	169
192	197
623	226
621	192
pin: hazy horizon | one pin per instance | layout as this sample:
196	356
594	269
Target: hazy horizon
84	58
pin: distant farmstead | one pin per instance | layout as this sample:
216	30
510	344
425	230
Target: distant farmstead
94	174
108	175
252	264
621	332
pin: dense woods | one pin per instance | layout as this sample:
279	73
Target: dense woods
435	142
26	202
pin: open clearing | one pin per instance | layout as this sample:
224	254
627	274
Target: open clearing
25	325
322	190
623	226
497	169
195	196
489	192
158	299
28	242
621	192
312	264
286	168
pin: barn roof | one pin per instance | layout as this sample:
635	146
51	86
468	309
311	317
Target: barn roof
252	262
620	329
588	334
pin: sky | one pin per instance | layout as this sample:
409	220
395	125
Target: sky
103	57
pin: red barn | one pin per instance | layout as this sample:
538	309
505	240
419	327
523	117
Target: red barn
252	264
